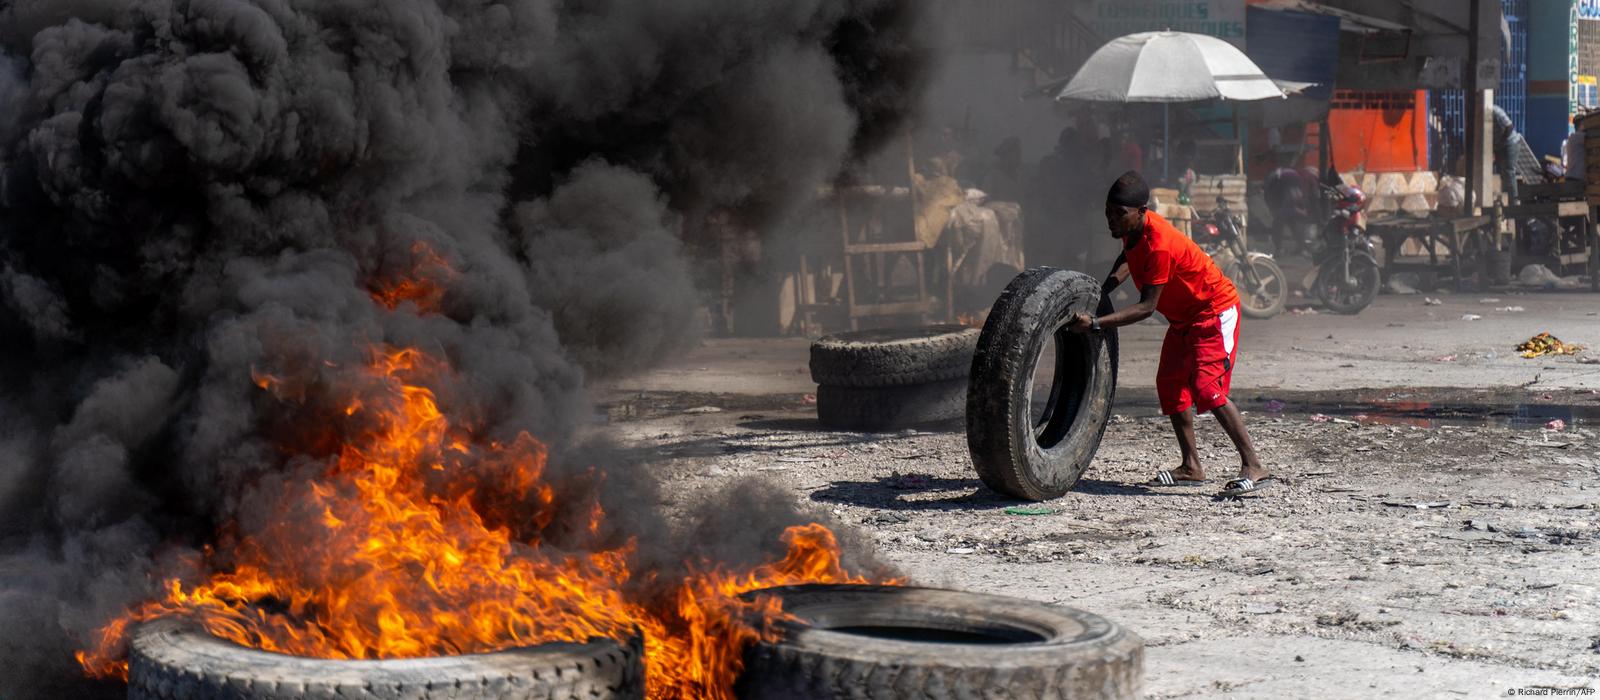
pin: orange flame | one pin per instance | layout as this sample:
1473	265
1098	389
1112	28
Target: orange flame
423	286
972	320
402	549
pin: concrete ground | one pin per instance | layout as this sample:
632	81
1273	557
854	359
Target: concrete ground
1336	584
1401	341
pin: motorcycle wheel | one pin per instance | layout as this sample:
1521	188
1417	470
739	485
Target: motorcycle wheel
1338	295
1267	297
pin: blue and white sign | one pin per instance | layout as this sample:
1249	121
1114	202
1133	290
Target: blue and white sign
1224	19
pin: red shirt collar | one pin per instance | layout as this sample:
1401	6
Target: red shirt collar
1144	236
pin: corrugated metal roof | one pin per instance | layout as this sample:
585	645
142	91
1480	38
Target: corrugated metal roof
1348	21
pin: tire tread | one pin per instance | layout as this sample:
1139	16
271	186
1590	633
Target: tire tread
923	355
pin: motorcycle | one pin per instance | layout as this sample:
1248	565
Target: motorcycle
1263	288
1347	264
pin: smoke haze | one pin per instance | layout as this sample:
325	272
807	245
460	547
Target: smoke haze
195	193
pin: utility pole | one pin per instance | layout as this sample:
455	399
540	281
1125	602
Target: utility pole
1481	76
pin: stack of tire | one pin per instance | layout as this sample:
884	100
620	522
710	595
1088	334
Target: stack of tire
892	379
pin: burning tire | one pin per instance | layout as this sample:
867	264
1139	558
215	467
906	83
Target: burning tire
889	643
175	659
897	357
1038	450
890	407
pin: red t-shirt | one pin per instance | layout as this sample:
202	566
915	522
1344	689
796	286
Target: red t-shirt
1195	288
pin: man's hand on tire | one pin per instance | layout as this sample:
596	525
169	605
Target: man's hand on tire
1081	323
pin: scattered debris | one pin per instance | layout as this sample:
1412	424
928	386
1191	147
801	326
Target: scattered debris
1556	424
1489	300
697	410
1339	619
1511	309
1541	276
1303	311
1031	510
909	481
1546	344
960	550
1470	317
1430	301
931	535
1321	418
1445	358
1420	506
808	398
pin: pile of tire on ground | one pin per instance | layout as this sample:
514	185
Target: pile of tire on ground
891	379
907	643
1022	445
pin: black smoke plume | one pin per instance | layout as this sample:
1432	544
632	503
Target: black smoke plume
194	192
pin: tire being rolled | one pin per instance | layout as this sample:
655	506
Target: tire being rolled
904	643
873	409
893	357
172	659
1012	453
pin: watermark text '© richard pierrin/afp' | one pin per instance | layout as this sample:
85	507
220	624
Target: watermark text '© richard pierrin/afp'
1546	691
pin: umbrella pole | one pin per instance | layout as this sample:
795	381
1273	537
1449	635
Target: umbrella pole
1166	143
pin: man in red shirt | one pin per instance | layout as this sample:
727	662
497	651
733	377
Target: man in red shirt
1178	279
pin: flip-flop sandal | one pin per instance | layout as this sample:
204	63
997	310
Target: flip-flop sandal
1165	478
1240	487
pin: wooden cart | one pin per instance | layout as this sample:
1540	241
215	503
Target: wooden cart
1462	238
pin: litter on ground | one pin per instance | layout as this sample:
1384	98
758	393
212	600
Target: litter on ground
1546	344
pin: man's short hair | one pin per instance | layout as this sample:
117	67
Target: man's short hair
1129	190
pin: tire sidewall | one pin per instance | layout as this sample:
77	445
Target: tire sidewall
1081	654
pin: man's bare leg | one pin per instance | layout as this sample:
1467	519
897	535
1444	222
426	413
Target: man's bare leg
1228	415
1183	425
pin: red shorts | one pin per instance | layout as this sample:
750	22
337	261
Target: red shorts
1197	363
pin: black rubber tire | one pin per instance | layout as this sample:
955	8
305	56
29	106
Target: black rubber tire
1013	456
893	357
173	659
872	409
1271	302
1366	271
1028	650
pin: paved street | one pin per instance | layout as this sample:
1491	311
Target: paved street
1333	585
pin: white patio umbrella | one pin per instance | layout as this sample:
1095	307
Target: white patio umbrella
1169	67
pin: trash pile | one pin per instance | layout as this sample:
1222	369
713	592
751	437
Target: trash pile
1541	277
1546	344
